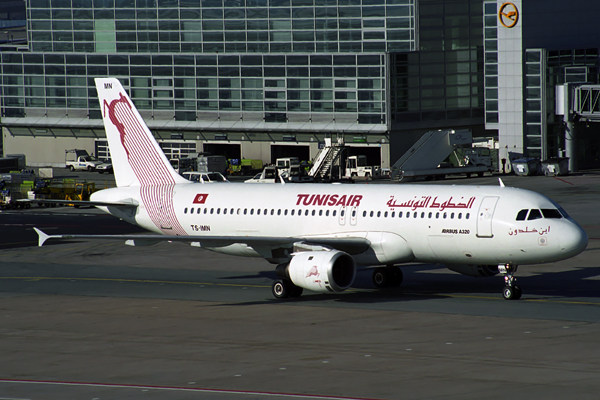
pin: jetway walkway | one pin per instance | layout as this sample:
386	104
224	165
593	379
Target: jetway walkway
430	151
586	102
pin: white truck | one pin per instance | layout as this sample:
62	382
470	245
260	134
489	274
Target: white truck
80	160
204	177
269	174
356	166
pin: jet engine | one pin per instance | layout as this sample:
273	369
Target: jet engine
474	270
320	271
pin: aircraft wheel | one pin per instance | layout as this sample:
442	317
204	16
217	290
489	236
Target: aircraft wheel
295	291
280	289
518	292
381	277
511	293
396	276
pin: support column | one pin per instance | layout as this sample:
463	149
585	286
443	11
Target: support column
570	142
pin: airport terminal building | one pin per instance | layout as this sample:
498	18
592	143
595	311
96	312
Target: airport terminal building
263	79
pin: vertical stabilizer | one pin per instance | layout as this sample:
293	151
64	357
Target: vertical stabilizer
136	156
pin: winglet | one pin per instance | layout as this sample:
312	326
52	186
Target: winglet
501	183
42	237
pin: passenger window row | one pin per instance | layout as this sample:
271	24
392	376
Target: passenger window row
260	211
320	213
534	213
415	214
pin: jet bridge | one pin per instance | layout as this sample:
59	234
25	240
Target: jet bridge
424	157
576	102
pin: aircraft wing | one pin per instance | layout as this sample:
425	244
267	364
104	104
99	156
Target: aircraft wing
351	245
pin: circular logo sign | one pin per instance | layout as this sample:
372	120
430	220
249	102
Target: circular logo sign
508	15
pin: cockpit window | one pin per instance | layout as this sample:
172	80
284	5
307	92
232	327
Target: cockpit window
534	214
551	213
522	215
563	212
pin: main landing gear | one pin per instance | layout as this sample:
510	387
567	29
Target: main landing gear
511	291
388	276
283	288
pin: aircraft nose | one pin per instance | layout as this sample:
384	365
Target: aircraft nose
573	240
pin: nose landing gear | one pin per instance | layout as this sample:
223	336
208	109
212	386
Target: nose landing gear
511	291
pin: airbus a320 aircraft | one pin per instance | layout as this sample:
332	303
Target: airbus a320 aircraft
317	234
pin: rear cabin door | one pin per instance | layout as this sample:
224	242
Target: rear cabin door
485	215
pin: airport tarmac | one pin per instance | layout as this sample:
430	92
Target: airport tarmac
102	320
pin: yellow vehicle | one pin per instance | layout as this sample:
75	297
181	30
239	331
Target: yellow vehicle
65	189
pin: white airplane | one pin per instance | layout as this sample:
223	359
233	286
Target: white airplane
318	234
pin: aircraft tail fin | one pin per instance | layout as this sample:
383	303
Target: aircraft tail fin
136	156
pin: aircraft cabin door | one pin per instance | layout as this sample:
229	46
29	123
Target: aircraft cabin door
485	215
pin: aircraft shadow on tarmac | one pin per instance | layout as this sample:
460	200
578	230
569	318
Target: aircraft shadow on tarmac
422	281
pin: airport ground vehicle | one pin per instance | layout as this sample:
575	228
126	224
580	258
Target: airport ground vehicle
64	189
14	187
269	174
356	166
204	177
76	159
106	166
244	166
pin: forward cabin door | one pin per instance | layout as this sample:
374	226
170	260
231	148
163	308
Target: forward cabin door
485	215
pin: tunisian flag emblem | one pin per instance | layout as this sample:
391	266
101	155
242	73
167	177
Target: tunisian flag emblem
200	198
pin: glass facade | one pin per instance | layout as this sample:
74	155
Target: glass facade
223	26
490	19
535	108
277	61
442	82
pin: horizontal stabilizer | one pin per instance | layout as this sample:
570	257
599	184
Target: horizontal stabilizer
130	203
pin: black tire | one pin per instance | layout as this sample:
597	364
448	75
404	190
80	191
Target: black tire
396	276
381	277
90	168
280	289
509	293
295	291
518	292
72	168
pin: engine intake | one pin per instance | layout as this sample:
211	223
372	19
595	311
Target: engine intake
321	271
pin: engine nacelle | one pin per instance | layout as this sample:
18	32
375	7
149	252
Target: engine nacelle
474	270
322	271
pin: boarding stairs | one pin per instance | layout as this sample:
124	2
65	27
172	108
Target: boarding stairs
326	158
